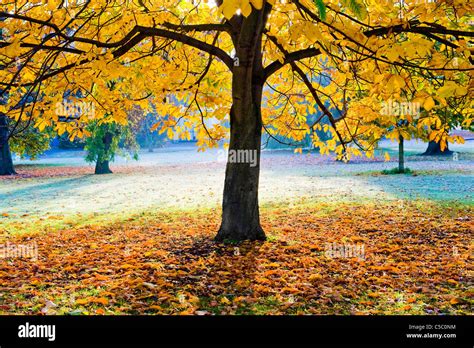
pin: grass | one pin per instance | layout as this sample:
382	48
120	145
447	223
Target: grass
398	171
13	225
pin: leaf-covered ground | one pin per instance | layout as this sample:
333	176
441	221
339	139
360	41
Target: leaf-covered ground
418	260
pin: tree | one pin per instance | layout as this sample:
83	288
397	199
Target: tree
434	149
31	143
6	161
449	119
27	142
103	143
146	137
259	64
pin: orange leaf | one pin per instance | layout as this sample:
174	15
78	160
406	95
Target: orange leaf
454	301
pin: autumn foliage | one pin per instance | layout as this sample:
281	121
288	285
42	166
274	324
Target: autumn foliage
164	264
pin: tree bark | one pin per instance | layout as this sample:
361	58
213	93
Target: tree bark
434	149
102	165
240	210
6	162
401	155
149	137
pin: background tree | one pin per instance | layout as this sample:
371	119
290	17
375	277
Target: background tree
106	140
6	161
146	136
31	143
243	63
26	142
449	120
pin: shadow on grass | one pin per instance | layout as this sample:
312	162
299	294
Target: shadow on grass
51	187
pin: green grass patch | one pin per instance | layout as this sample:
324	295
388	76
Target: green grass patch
394	171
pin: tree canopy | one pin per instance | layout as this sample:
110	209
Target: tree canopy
342	57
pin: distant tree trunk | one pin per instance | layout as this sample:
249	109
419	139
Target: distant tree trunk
102	165
149	134
434	149
6	162
150	144
401	155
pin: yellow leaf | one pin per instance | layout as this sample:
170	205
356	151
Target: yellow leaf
51	5
245	8
442	145
393	54
448	89
397	81
229	8
82	301
258	4
88	300
428	104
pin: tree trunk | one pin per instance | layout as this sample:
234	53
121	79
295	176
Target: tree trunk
240	210
102	164
102	167
150	145
149	140
434	149
401	155
6	162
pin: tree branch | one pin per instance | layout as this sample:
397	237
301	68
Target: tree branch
197	27
400	28
289	58
190	41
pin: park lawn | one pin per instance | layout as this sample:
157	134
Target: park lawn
417	258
